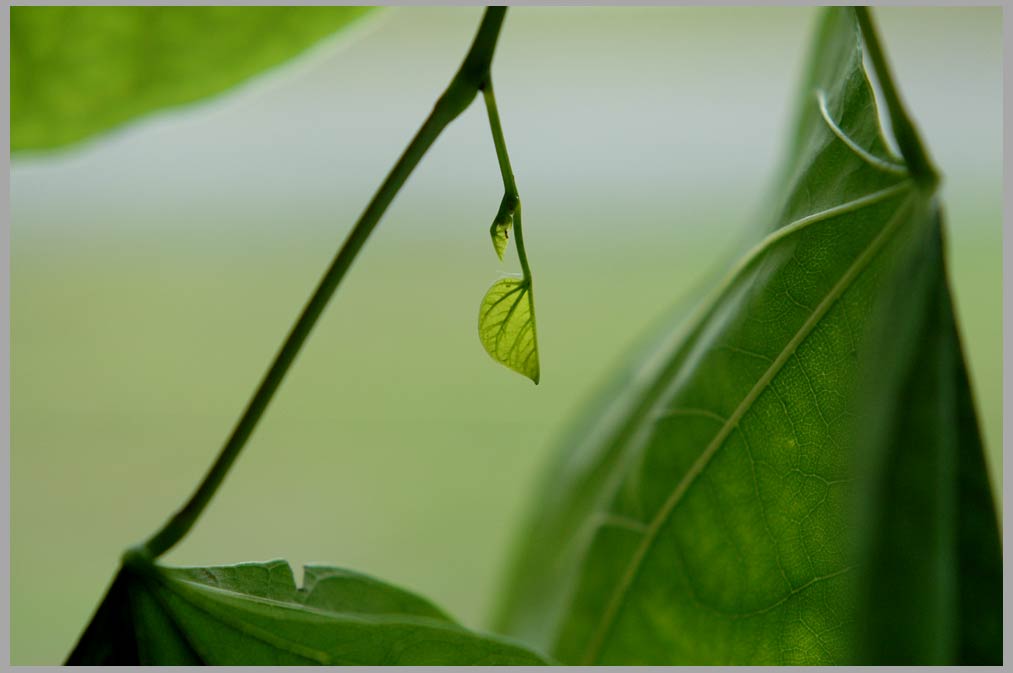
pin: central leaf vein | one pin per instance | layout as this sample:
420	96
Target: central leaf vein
615	602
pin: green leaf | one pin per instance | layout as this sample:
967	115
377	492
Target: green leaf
253	614
500	233
506	326
78	71
793	475
931	536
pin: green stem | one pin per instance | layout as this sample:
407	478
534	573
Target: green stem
521	254
911	147
470	77
511	198
523	257
497	137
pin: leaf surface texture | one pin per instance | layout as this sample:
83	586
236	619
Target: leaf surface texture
253	614
506	326
733	499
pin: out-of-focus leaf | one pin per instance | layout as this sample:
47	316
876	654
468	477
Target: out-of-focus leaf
930	541
794	475
506	326
253	614
78	71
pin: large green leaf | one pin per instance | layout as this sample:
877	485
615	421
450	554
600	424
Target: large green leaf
78	71
253	614
794	474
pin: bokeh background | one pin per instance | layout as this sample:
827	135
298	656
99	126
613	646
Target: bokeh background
156	270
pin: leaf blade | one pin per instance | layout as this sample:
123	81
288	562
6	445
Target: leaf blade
932	528
500	234
254	614
80	71
710	521
506	326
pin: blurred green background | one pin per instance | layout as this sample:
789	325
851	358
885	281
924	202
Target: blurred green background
157	269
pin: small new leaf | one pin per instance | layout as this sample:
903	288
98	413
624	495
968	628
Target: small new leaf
500	232
506	326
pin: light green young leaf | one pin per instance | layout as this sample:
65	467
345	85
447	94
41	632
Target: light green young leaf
506	326
253	614
794	474
78	71
500	233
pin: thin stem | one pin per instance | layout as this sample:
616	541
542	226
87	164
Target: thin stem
523	257
497	137
904	130
521	254
511	198
463	88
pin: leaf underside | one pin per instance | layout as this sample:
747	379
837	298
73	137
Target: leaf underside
253	614
506	326
79	71
794	474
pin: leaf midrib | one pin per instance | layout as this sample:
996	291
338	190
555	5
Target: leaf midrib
369	618
670	361
309	653
612	608
668	356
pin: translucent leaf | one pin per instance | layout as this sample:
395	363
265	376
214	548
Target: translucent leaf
500	232
506	326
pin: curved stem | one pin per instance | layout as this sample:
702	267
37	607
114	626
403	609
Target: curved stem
904	130
521	254
511	198
463	88
509	185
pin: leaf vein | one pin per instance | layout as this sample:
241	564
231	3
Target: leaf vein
612	608
862	153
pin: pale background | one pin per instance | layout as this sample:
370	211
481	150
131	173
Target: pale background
156	270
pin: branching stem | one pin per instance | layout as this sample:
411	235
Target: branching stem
470	78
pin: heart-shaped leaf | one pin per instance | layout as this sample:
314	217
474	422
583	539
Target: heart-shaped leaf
794	474
506	326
